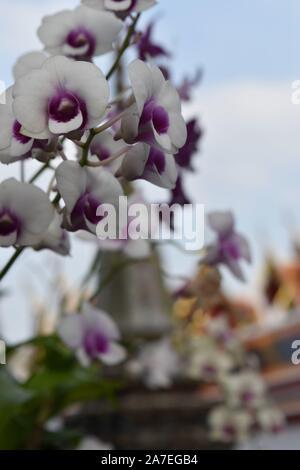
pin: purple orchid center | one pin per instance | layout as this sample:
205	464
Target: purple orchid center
86	209
63	107
153	115
156	159
82	41
229	431
23	139
230	248
9	223
178	194
102	152
247	396
95	343
91	205
160	119
66	106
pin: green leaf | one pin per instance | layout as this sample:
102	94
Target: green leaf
62	439
57	381
16	412
60	378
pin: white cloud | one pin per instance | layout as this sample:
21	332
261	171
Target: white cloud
252	133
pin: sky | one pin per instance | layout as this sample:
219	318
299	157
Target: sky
249	160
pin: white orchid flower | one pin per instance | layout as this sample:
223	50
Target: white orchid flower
80	34
93	335
61	97
25	213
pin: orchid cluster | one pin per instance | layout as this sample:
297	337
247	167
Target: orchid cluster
60	95
148	48
219	359
94	142
230	247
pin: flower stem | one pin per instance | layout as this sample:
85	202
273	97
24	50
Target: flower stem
86	147
109	160
108	124
124	46
56	199
96	131
112	121
11	261
63	155
38	173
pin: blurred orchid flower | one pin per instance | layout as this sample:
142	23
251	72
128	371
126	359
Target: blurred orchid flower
14	145
150	164
271	419
147	48
190	148
229	425
83	191
80	33
230	247
209	364
28	62
103	147
178	195
55	238
93	335
245	389
186	88
157	364
25	213
219	329
61	97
